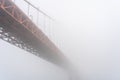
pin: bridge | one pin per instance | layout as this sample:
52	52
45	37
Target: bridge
19	30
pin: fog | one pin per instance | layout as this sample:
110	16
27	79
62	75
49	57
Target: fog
88	33
17	64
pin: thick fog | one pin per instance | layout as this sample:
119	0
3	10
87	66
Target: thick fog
88	33
17	64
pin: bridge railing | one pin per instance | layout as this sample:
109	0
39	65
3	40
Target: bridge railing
42	20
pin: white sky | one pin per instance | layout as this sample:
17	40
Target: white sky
17	64
89	33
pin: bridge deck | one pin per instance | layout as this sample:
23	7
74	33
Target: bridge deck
22	32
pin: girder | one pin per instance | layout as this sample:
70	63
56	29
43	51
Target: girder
17	29
15	40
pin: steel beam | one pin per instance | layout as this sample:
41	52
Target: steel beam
17	29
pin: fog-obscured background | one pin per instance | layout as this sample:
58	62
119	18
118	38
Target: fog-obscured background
87	31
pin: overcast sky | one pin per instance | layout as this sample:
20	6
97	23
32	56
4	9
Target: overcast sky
89	35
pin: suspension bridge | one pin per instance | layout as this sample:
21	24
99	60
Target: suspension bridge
19	29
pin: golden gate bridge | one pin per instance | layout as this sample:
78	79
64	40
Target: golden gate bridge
19	30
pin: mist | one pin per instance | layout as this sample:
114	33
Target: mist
88	33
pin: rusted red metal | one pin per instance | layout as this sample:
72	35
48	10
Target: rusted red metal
19	16
20	22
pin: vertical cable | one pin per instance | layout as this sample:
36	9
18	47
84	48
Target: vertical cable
44	27
28	11
37	17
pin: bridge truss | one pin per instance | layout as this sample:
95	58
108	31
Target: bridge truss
17	29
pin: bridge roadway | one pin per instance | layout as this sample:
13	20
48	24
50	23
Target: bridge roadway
17	29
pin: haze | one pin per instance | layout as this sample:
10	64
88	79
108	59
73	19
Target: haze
88	33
